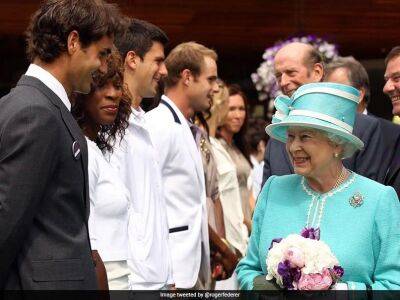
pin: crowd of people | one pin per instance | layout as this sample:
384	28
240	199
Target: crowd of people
98	193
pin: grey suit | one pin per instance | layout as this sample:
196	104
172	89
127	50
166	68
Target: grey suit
44	207
367	162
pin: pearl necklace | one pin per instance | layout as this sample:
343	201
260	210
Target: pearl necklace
314	197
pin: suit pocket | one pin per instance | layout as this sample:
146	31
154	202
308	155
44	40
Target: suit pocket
178	229
58	270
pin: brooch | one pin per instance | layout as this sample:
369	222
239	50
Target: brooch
356	200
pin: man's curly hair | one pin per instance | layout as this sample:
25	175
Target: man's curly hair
108	134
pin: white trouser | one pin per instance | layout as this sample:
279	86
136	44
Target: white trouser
117	275
228	284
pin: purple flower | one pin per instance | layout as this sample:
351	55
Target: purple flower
311	233
296	274
338	271
289	275
284	271
283	267
276	240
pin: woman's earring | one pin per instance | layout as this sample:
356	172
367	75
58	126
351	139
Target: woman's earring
336	155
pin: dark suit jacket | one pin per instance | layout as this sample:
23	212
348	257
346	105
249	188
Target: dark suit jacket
366	162
44	206
391	150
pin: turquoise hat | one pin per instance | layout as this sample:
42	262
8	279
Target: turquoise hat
330	107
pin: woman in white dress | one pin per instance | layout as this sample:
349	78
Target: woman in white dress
229	192
231	135
103	115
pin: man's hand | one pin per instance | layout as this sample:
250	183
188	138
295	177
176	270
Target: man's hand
224	260
100	271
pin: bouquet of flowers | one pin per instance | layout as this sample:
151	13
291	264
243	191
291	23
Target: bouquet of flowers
302	262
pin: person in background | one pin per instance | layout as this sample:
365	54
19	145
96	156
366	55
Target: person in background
392	90
236	231
347	70
257	140
214	207
219	246
136	158
232	136
103	117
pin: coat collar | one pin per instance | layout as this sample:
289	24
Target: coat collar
191	145
50	81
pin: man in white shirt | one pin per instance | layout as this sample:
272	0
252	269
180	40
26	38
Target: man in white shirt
189	86
44	203
135	157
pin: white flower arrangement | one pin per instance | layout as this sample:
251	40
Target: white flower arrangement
302	263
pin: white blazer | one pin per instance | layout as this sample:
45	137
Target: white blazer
184	189
136	160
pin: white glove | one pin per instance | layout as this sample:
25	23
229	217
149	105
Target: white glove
341	286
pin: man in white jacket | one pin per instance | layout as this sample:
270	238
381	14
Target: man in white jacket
142	49
189	86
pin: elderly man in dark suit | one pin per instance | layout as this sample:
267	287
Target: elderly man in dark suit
44	206
347	70
297	64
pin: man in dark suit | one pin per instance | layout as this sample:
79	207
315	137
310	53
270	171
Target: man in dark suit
297	64
347	70
44	205
392	89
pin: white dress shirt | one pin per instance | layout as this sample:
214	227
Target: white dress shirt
256	176
136	160
50	81
109	205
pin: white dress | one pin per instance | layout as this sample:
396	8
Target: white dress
108	220
236	231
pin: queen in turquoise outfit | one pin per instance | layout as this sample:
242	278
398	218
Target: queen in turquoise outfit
359	219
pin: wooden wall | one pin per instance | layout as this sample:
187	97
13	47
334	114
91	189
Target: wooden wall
238	30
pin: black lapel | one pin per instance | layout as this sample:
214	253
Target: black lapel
393	171
71	125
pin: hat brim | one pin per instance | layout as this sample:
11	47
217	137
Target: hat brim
279	130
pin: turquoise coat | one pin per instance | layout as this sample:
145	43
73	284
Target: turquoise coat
365	239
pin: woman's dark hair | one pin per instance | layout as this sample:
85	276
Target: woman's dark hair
108	134
255	134
50	25
240	138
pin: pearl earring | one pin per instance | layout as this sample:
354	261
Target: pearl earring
336	155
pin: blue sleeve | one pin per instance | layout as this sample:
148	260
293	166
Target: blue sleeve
250	266
386	243
387	231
